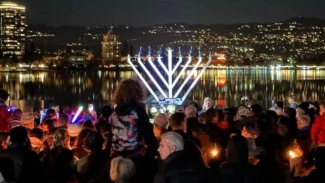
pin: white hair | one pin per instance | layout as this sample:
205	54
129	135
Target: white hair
302	116
175	139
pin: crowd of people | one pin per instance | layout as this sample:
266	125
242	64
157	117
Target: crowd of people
189	144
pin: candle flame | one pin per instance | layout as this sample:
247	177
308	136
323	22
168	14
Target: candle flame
292	154
214	152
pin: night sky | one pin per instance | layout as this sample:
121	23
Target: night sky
149	12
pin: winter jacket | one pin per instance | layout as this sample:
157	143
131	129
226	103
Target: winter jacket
318	130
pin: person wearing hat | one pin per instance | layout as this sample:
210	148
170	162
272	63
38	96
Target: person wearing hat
303	140
5	117
278	107
240	119
27	118
250	133
16	117
207	104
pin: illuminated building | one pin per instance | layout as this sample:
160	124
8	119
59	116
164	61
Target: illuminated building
12	29
110	47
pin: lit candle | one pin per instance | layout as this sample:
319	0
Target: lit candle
292	154
214	152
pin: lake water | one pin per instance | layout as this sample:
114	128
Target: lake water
224	86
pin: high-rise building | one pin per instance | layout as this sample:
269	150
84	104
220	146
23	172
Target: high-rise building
111	47
12	29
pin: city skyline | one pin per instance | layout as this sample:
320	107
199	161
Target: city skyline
151	12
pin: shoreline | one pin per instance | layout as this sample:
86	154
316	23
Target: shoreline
212	67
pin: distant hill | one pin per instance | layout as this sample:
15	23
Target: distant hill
91	38
307	21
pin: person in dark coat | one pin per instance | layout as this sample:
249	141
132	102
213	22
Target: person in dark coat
18	163
237	169
192	145
270	166
89	166
317	175
176	166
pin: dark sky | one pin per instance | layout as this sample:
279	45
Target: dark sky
150	12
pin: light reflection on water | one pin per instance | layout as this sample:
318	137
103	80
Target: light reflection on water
226	86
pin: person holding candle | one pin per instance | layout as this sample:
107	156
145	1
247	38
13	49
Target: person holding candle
301	158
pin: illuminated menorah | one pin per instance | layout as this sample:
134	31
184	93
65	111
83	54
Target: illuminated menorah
170	71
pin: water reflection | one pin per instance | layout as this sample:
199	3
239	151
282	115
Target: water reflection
227	86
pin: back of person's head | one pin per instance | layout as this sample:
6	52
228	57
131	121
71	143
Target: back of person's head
36	132
210	114
49	123
80	141
190	112
320	158
106	111
18	135
94	141
88	125
304	106
237	151
160	120
194	104
50	113
128	91
16	115
256	109
63	120
177	119
61	138
264	124
280	104
4	95
122	170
